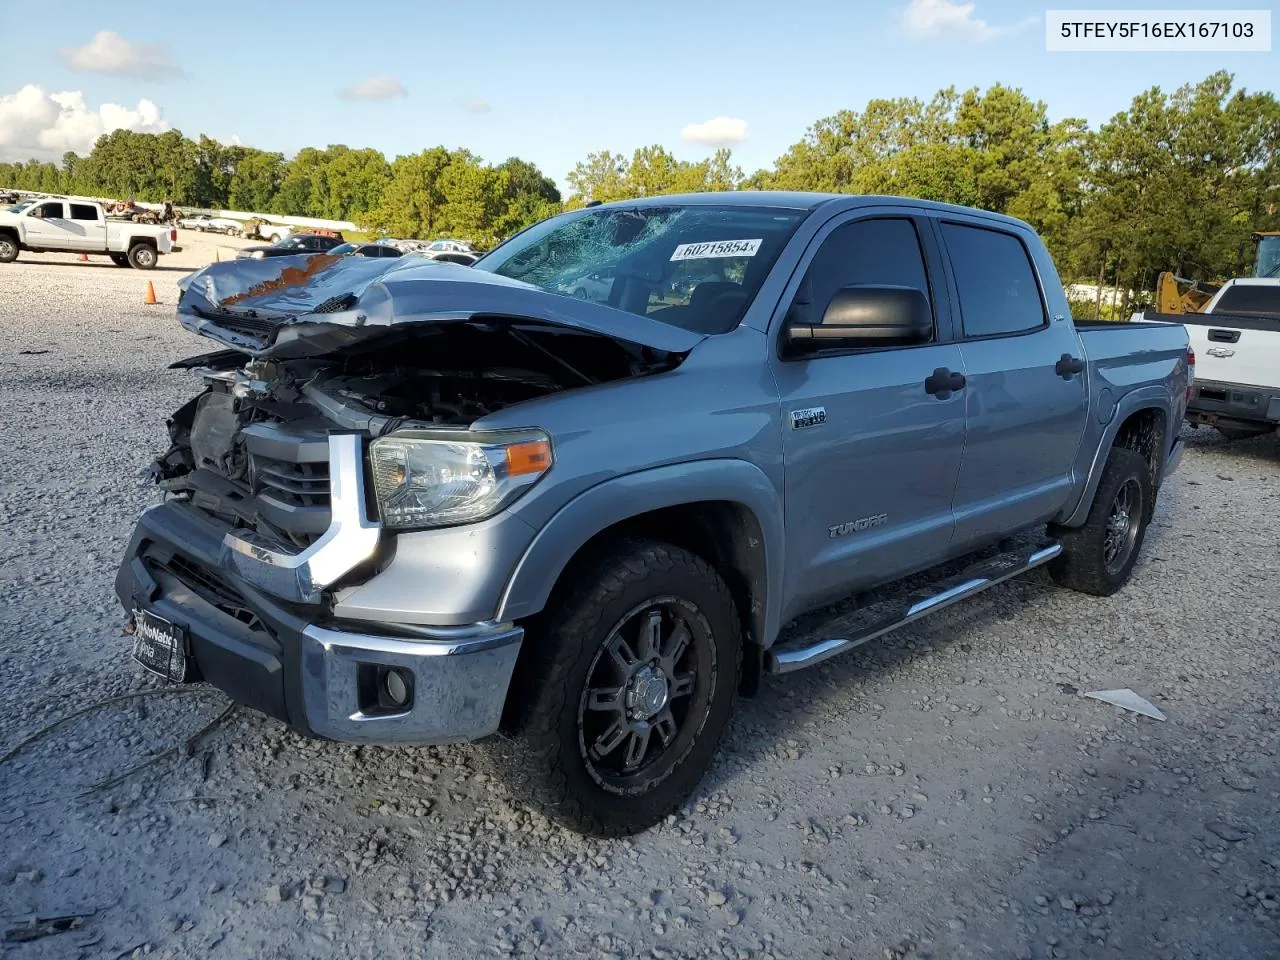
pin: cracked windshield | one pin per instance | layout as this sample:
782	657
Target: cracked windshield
696	267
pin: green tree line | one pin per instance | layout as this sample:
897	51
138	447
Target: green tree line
437	192
1176	181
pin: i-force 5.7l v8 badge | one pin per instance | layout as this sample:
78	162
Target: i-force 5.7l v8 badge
808	417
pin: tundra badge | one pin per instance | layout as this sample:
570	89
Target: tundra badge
808	417
856	526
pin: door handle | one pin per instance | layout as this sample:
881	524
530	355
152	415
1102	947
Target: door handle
942	383
1068	365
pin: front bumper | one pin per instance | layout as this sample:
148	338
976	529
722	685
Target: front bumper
1217	402
288	660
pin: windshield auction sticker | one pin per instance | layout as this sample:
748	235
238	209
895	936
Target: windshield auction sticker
1160	31
716	248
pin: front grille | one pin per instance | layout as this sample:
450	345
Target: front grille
297	484
289	474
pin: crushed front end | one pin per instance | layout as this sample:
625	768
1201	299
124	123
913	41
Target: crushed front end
270	514
266	513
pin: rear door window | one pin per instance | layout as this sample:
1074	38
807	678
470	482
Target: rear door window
82	211
999	294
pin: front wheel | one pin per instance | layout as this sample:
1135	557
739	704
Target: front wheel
142	256
1099	557
622	695
8	249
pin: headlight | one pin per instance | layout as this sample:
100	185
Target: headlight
432	480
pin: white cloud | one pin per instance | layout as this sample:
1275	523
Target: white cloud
476	105
716	132
43	125
382	87
936	18
112	54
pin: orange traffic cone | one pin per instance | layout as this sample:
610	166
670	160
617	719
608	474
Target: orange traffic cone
84	257
151	295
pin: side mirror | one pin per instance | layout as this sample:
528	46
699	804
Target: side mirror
867	315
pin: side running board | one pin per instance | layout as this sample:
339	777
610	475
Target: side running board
880	618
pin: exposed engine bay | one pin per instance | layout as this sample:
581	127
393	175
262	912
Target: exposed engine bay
252	449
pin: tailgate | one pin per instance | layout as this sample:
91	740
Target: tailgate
1243	350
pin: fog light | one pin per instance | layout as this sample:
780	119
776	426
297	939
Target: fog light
396	685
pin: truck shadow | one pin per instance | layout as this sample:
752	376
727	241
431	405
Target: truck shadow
107	265
826	699
1208	439
834	695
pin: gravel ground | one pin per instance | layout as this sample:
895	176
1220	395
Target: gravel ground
944	793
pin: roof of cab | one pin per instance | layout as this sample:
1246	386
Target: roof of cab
798	200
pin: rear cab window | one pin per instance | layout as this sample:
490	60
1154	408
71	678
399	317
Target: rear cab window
1251	300
999	293
695	266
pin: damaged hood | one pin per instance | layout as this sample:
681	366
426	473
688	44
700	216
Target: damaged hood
297	306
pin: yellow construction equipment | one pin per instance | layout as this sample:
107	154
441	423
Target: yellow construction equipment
1267	261
1175	294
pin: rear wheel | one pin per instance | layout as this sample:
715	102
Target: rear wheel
8	249
1099	557
142	256
623	695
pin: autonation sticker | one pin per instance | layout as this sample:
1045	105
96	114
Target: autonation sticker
1162	31
716	248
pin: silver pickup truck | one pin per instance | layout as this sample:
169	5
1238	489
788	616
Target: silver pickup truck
418	502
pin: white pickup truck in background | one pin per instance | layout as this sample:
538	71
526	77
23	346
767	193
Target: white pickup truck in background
56	225
1236	339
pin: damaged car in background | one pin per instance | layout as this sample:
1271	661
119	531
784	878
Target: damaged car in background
418	502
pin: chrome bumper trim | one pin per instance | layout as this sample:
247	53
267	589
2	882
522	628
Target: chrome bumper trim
459	680
349	540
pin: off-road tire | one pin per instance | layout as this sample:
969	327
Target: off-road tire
120	259
1082	565
142	256
540	752
8	249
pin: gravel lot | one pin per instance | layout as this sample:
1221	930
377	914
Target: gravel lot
945	793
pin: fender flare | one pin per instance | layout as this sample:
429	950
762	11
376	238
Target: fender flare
597	509
1150	397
